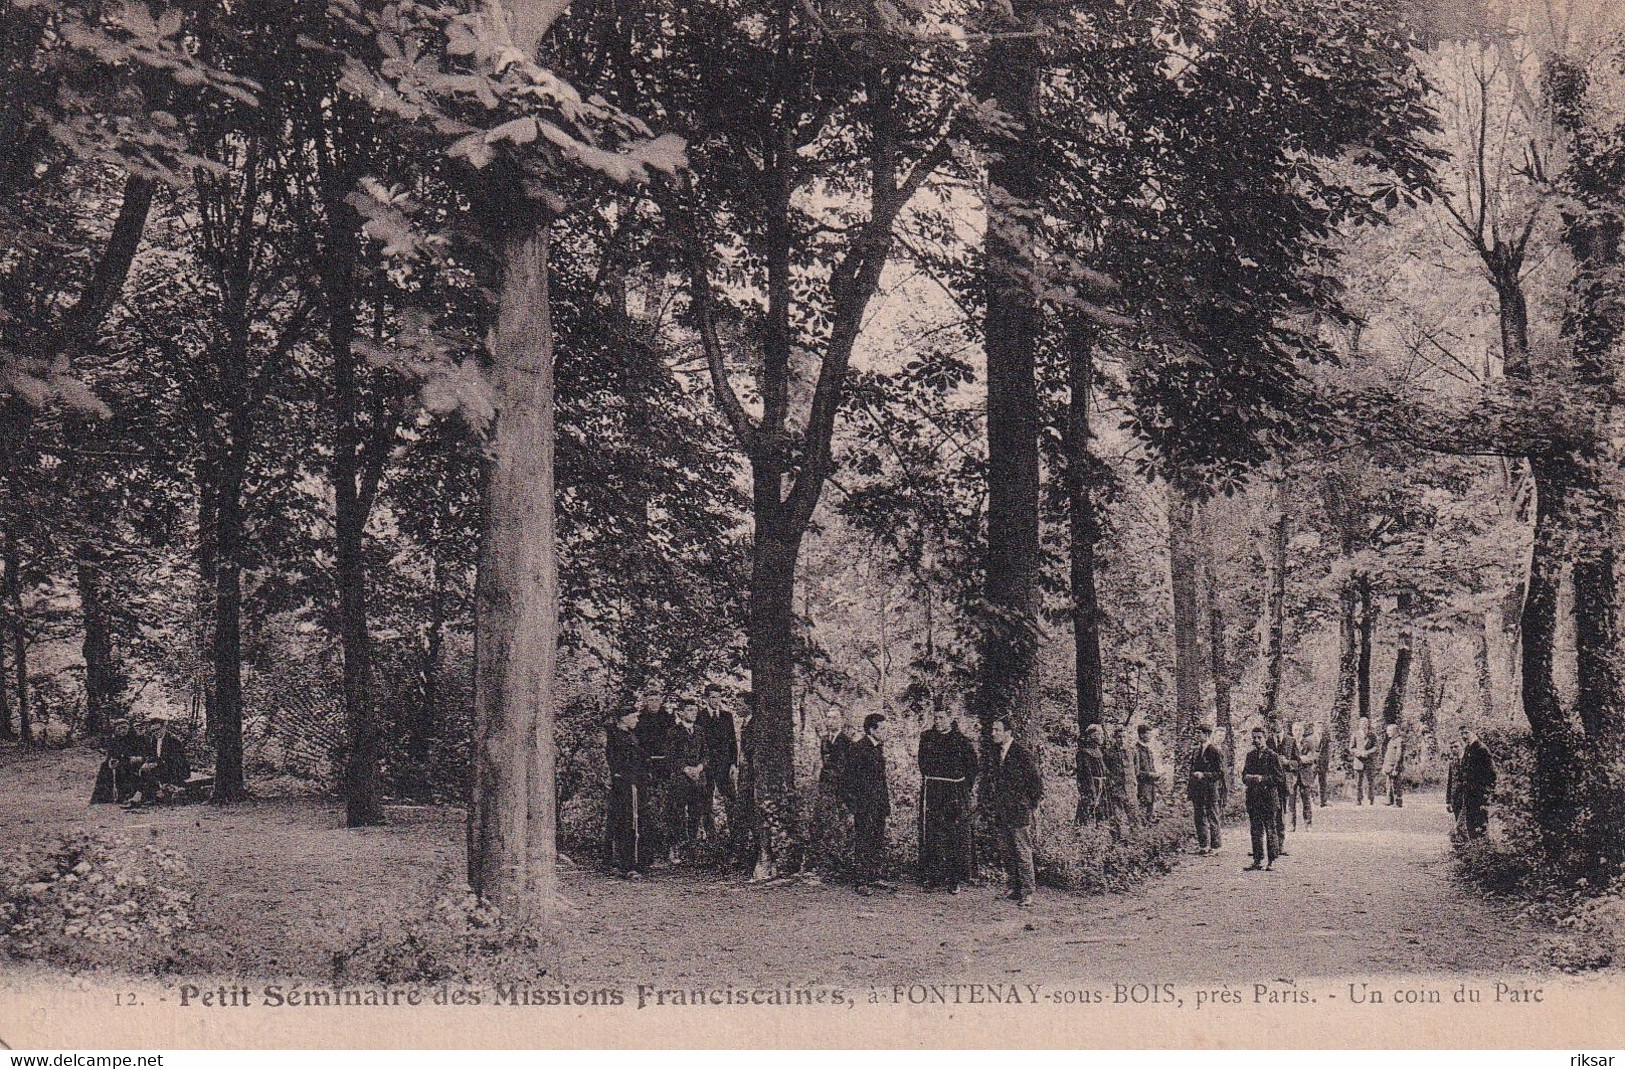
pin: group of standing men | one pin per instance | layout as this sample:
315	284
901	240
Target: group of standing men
1284	774
1117	780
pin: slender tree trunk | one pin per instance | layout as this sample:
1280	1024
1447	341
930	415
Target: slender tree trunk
101	682
1084	533
1187	617
8	733
229	784
1483	679
425	724
1393	706
208	558
1011	325
1428	681
511	862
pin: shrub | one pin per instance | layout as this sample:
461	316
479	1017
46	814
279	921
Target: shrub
454	939
98	902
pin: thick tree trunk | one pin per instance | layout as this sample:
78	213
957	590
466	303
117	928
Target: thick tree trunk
1187	617
101	676
772	648
1554	743
1219	666
1596	642
1427	678
512	850
1393	706
363	805
1084	532
1348	667
8	733
1011	325
227	653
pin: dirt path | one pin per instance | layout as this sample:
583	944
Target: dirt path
282	886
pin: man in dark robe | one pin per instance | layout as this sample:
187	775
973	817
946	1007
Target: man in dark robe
1474	782
655	724
688	788
1206	789
1012	791
629	810
1091	776
947	775
1264	777
119	777
869	797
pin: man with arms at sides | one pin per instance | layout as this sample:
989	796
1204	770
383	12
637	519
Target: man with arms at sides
1263	776
1393	766
1300	778
688	791
628	797
1286	748
1207	788
869	797
1475	781
1014	787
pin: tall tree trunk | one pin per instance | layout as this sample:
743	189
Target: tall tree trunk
8	733
1393	706
1084	532
208	558
1554	744
1187	617
1274	623
511	861
1427	678
771	648
1011	325
1348	666
229	784
101	681
363	805
1483	680
425	722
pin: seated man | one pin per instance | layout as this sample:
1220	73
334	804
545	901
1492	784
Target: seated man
164	772
117	778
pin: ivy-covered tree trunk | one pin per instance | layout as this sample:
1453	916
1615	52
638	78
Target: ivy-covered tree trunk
1551	781
1482	677
1348	667
1012	322
772	651
1187	617
1084	532
511	840
1367	624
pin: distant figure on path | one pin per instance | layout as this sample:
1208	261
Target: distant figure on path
1263	775
1206	788
628	798
1363	751
870	800
1321	741
1393	766
1091	776
1146	774
1014	788
948	766
1475	779
1300	778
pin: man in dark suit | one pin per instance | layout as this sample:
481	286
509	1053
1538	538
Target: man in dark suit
1474	782
869	798
688	788
1206	789
165	771
655	723
1264	778
947	775
1015	786
628	817
118	779
1286	748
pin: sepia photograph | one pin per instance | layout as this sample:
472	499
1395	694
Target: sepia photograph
784	524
